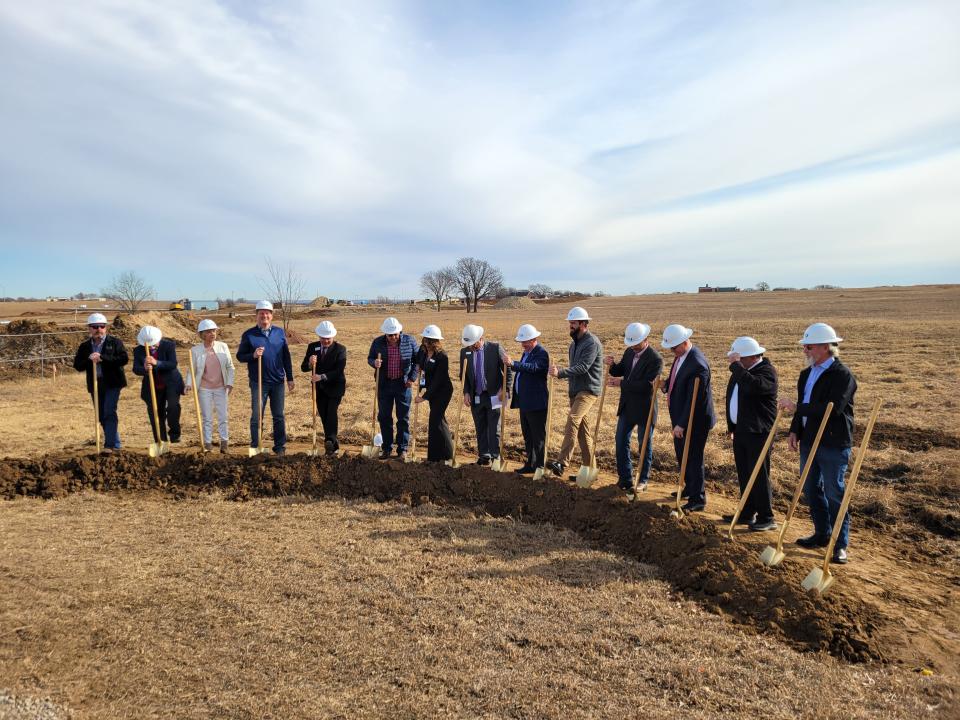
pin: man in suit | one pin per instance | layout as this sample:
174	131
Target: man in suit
751	410
325	360
635	374
825	380
483	389
104	355
167	381
394	353
689	364
530	395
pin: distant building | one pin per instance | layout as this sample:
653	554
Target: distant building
708	289
195	305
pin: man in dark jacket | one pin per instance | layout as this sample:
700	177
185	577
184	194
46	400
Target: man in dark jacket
689	364
635	375
530	395
751	410
483	389
105	355
326	360
825	380
394	353
167	382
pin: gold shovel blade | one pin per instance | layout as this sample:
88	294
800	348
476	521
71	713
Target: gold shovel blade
451	463
771	557
154	450
253	451
817	581
368	451
498	465
586	476
538	474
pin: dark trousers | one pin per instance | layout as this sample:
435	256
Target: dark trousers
276	396
693	485
168	408
108	400
327	408
439	442
746	449
533	425
394	393
625	428
486	421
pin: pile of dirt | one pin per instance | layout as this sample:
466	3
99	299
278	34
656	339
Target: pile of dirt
179	327
515	303
320	301
21	340
692	553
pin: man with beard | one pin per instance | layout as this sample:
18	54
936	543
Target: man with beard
104	355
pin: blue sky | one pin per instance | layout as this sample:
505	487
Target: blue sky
641	146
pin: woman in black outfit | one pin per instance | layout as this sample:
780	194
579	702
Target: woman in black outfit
438	390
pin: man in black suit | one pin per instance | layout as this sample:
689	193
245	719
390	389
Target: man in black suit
325	360
530	395
688	364
483	389
166	380
751	410
635	374
104	355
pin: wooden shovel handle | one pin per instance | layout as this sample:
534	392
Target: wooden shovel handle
456	430
376	396
686	440
96	407
546	441
646	432
196	398
596	425
416	418
153	395
756	471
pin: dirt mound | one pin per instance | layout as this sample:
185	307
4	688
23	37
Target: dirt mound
910	438
320	301
515	303
21	341
179	327
693	554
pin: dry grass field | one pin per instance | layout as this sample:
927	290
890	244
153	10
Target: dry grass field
128	604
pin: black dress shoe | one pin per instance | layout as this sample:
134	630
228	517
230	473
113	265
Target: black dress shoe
384	455
693	507
813	541
742	520
483	461
762	525
525	470
839	556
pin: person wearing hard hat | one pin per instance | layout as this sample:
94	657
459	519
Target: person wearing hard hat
326	360
167	381
269	344
438	391
104	355
530	395
635	375
824	380
689	364
751	410
213	373
483	389
585	380
394	353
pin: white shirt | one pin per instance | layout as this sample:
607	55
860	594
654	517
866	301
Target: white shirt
735	396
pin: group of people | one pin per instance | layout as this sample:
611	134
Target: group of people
490	376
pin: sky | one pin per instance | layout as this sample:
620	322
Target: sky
615	146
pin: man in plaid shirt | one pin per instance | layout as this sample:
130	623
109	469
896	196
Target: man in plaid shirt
394	353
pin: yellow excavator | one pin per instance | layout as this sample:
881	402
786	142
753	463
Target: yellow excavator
178	304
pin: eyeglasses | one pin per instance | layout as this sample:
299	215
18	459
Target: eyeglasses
97	327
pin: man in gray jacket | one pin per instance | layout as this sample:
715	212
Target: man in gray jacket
585	377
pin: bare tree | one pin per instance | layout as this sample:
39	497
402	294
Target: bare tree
129	291
763	286
541	290
438	284
476	279
283	285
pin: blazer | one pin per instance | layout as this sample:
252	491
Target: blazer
113	356
530	381
636	388
837	384
227	369
331	365
756	397
493	370
436	376
705	417
166	368
408	351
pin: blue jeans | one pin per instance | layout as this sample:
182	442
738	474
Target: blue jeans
824	490
394	392
275	394
108	401
624	462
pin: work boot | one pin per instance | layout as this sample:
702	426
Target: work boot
223	447
329	448
839	556
208	447
762	525
385	455
813	541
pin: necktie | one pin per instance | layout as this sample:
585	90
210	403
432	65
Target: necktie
673	376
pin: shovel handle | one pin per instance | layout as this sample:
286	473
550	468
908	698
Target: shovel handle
196	399
646	432
756	471
153	396
416	418
546	440
686	442
96	407
313	410
596	425
376	396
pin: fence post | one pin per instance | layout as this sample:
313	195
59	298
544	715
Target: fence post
41	355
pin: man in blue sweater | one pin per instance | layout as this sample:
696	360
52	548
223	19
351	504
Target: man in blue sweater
394	353
270	345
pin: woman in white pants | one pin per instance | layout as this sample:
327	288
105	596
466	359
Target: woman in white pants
214	373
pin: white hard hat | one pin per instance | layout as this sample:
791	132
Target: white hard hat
326	329
673	335
527	332
97	319
206	325
819	333
432	332
745	347
470	334
635	334
577	313
391	326
149	335
265	305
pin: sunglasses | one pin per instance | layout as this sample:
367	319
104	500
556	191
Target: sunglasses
98	327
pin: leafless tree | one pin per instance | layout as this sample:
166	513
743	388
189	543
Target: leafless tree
476	279
129	291
438	284
541	290
283	285
763	286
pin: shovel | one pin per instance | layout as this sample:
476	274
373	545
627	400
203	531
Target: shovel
251	451
820	579
632	495
313	405
677	512
452	462
499	464
411	456
756	471
157	447
96	408
587	474
771	557
371	451
196	401
538	473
